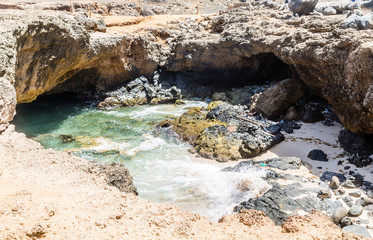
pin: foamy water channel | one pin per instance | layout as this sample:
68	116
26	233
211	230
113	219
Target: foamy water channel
161	166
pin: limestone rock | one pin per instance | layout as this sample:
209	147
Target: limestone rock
276	99
302	7
7	101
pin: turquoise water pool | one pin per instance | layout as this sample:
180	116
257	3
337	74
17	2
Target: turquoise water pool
161	166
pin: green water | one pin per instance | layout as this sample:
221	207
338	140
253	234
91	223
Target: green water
160	165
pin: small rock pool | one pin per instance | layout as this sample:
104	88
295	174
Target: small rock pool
161	166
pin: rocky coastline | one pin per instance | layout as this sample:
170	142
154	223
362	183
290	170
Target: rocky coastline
266	72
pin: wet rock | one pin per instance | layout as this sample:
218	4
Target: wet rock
282	201
338	214
317	155
346	221
191	124
284	163
324	193
355	211
327	176
334	183
117	175
276	99
302	7
216	142
359	230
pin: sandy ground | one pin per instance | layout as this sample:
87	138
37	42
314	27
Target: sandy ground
53	195
129	24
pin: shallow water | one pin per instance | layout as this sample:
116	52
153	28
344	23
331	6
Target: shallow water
160	165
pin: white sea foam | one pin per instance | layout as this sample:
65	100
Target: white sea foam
149	144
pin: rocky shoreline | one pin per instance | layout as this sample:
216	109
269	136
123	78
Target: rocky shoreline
256	62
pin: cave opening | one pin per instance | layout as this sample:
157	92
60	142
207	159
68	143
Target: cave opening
264	68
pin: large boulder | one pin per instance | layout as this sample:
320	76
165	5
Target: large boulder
302	7
277	99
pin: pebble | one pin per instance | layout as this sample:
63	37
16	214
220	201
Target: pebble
355	194
339	192
346	221
362	221
348	184
347	167
324	193
364	201
355	211
334	183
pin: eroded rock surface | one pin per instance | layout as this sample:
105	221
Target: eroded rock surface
333	60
